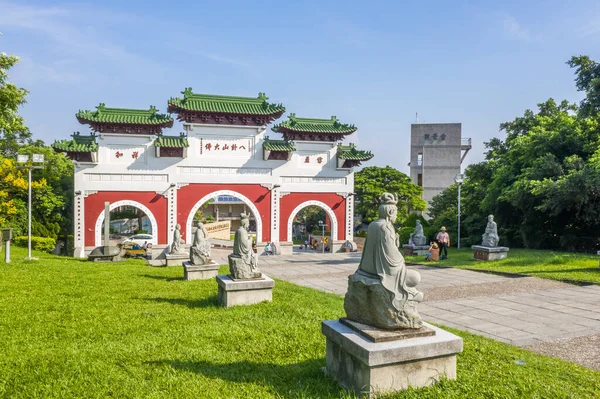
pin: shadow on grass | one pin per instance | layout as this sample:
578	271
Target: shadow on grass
208	302
303	379
161	277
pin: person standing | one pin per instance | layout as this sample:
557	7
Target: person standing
443	240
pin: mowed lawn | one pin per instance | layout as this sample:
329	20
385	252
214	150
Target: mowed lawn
546	264
70	328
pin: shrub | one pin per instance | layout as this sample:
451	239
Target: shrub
46	244
405	234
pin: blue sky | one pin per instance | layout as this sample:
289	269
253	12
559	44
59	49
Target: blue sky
374	64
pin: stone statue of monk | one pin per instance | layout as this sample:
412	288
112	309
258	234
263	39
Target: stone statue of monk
418	237
200	249
176	247
382	292
243	262
490	238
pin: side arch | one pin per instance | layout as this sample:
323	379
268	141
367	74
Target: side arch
325	207
250	204
113	205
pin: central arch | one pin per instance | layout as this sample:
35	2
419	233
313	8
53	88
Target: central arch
114	205
250	204
325	207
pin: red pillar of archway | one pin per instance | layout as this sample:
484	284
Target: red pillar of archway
188	196
290	201
94	205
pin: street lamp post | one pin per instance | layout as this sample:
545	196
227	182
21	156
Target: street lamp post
459	180
323	225
30	165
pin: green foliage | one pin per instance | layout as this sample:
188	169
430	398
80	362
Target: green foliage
541	182
137	332
372	181
405	233
311	216
13	132
52	194
45	244
209	219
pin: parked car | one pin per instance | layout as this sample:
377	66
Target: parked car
138	239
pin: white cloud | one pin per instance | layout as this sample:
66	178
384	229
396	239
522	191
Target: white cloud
513	29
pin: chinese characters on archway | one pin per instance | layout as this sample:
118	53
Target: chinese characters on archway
127	154
311	160
224	147
239	147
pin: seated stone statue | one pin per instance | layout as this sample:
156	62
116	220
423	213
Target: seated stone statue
418	237
490	237
200	250
382	291
243	261
177	246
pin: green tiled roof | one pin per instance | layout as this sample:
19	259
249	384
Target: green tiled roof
225	104
102	114
180	141
351	153
78	144
310	125
278	145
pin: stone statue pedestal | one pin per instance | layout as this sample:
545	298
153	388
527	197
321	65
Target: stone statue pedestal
370	368
410	250
489	253
244	292
176	259
240	269
200	272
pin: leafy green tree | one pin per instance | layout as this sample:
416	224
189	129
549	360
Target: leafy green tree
311	215
541	182
13	132
372	181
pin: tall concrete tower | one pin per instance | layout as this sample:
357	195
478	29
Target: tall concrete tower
437	151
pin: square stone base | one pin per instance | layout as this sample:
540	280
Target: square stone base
489	253
203	272
244	292
420	250
176	259
371	368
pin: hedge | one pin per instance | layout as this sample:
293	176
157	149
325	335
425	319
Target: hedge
45	244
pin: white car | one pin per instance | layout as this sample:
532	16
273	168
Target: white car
138	239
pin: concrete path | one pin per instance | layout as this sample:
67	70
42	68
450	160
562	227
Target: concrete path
524	311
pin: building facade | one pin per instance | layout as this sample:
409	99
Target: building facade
224	151
437	151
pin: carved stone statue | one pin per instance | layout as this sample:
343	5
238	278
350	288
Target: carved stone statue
382	291
176	247
243	261
490	237
200	250
418	237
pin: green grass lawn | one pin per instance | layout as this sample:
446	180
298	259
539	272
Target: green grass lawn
546	264
70	328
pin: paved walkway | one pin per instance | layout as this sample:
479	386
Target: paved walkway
525	311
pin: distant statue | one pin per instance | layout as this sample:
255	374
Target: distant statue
490	237
243	262
176	247
200	250
382	291
418	237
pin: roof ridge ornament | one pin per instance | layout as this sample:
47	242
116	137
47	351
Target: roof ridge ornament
187	92
100	107
263	97
153	110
